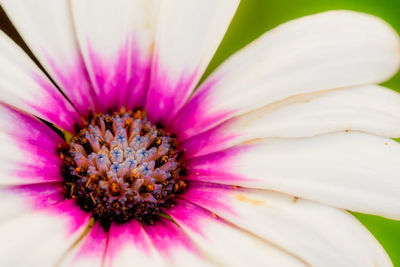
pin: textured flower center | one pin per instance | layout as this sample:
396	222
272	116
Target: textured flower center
122	167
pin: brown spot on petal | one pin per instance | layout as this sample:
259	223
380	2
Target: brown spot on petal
252	201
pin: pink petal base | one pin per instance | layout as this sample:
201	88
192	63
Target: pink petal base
37	142
93	245
123	234
214	167
193	216
194	117
122	81
38	196
48	198
207	142
54	107
76	217
75	83
213	196
165	96
43	166
125	81
166	236
27	130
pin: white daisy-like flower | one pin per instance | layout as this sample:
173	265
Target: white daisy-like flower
255	167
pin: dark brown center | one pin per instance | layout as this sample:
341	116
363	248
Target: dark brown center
122	167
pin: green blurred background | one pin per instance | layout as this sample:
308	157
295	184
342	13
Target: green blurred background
254	17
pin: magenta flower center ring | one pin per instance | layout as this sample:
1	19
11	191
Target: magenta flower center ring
121	166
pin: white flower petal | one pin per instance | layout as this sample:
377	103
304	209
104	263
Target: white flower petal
116	39
224	243
46	26
355	171
40	238
188	34
318	234
23	85
371	108
89	251
319	52
28	149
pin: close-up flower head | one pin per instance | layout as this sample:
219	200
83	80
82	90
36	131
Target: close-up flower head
118	150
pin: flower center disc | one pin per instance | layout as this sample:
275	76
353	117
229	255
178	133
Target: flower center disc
122	167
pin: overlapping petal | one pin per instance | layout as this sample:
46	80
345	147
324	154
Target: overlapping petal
314	53
226	244
355	171
371	109
28	149
47	28
317	234
23	85
41	237
87	251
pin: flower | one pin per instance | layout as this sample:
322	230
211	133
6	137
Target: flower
255	167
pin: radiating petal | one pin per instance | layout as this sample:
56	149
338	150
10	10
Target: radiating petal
174	246
16	200
89	251
23	85
318	234
129	245
41	237
47	28
355	171
116	39
28	149
319	52
372	109
226	244
188	33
